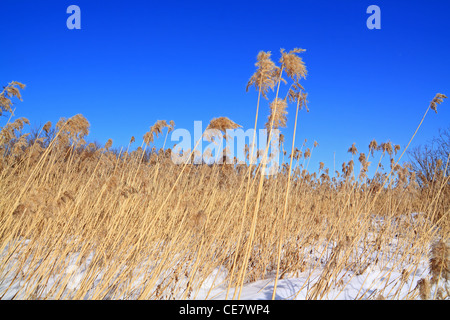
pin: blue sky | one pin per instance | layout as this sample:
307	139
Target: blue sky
134	62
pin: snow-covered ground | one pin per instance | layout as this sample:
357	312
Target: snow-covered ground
372	283
349	287
374	275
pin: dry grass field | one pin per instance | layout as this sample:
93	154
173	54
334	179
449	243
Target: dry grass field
82	221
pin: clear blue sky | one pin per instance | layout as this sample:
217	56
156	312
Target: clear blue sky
134	62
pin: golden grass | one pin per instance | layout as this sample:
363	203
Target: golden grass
141	227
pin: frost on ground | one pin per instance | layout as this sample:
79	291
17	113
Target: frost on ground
368	274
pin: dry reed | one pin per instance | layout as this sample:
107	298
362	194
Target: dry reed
78	220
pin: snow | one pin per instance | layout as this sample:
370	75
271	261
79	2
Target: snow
390	278
349	287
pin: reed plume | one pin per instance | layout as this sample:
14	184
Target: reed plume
373	145
47	127
307	153
108	144
265	77
158	127
294	66
74	128
424	289
171	126
353	149
440	261
438	99
386	147
362	158
148	137
277	115
222	124
10	91
396	148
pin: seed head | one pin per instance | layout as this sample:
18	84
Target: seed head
222	124
265	76
108	144
373	145
353	149
440	261
47	127
437	100
293	64
277	115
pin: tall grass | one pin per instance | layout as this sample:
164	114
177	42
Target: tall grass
80	221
